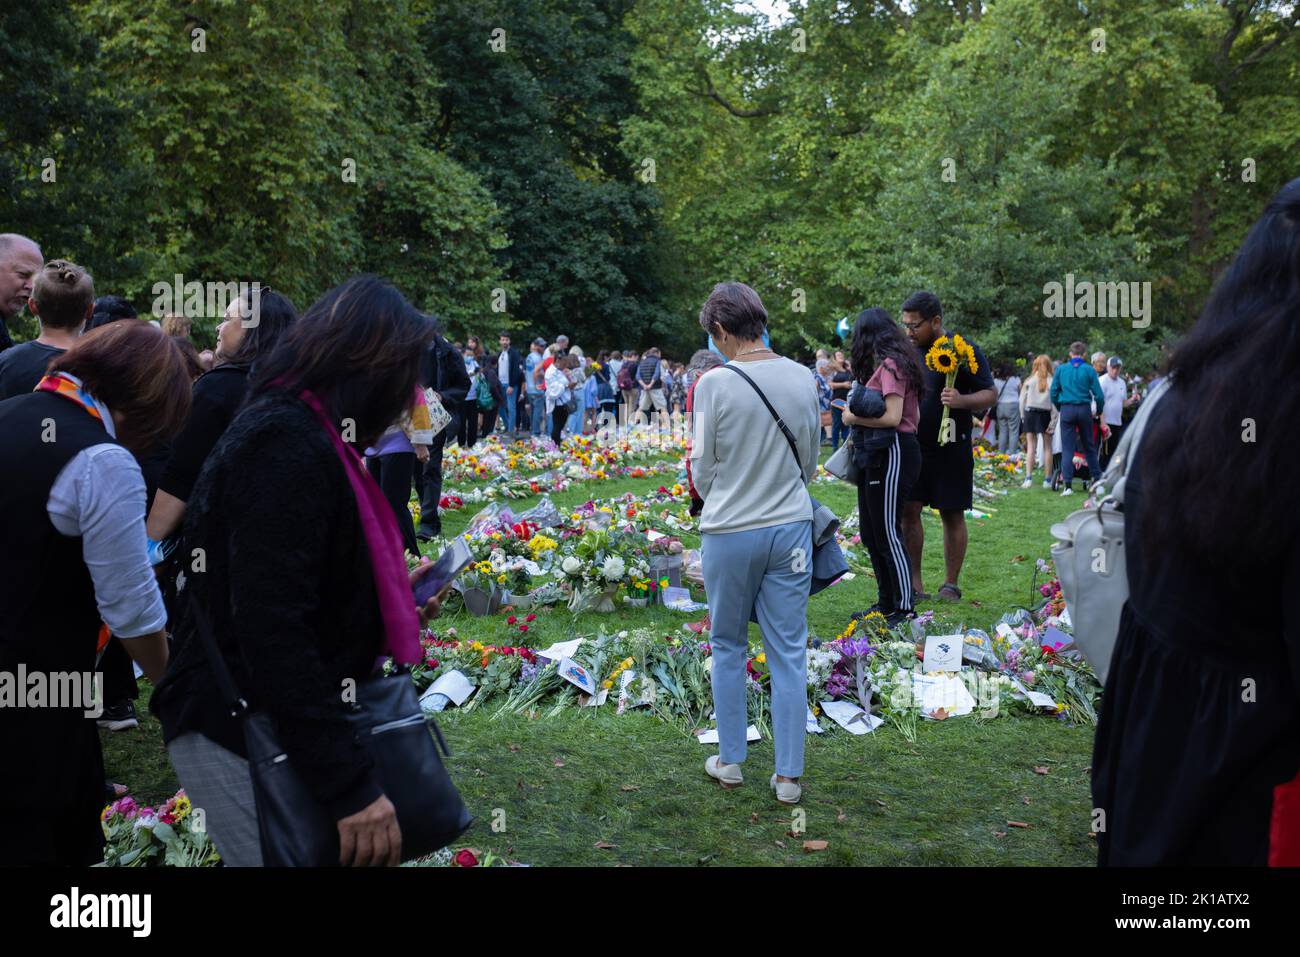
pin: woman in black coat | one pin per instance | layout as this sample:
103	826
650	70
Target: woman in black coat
300	591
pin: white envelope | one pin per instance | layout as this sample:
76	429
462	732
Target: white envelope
850	717
943	653
561	649
948	692
453	684
711	736
596	700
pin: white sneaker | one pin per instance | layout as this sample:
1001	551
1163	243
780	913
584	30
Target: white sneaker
1047	483
1068	491
729	776
787	792
1026	483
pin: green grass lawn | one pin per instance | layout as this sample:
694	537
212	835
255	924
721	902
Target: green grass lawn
549	790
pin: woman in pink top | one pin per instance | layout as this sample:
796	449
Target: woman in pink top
884	360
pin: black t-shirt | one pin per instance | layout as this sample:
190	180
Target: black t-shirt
23	366
927	431
217	396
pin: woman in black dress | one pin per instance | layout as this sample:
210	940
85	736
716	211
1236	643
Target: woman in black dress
1198	747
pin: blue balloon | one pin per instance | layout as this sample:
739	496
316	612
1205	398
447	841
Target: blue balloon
844	329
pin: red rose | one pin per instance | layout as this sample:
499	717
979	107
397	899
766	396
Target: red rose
511	620
465	858
523	628
530	617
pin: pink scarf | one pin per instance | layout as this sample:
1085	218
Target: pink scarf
396	604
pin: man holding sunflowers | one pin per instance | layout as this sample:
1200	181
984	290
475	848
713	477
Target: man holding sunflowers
957	381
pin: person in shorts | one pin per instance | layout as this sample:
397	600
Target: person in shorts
947	471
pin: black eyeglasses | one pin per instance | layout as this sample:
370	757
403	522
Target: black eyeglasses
913	326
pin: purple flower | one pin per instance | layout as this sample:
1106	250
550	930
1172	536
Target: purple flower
527	673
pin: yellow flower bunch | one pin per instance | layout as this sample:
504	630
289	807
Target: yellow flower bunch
621	667
946	356
540	543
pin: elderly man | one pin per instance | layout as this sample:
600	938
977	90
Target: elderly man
20	261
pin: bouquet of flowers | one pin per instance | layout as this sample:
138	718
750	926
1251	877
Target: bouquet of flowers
171	835
947	356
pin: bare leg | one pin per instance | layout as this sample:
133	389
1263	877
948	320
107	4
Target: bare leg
954	543
914	538
1029	455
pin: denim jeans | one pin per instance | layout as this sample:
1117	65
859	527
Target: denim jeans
839	431
537	404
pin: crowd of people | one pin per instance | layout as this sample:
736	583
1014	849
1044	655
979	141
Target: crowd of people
1025	416
165	512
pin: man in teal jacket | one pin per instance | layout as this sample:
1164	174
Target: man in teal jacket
1074	387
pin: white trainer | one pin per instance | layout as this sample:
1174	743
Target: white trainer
728	776
787	792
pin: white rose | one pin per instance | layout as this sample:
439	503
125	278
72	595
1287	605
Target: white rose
614	568
571	565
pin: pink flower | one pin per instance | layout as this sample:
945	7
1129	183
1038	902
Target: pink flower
465	858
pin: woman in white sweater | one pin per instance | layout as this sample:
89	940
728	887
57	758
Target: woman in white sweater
756	527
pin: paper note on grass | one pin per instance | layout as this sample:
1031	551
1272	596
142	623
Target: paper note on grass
711	736
811	726
1036	698
453	684
573	672
850	717
932	692
561	649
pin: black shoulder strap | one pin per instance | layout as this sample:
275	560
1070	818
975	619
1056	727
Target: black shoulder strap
780	422
225	681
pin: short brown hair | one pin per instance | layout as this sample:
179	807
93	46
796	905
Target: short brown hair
174	325
1077	348
736	309
139	373
63	293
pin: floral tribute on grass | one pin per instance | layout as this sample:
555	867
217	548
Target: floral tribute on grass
534	466
171	835
1028	665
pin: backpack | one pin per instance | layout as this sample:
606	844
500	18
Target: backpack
626	376
1089	553
486	401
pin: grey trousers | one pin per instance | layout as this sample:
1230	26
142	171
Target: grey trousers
217	783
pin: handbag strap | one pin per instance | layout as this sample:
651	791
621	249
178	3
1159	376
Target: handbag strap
225	681
780	422
1125	453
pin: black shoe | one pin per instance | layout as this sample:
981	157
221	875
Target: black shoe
424	535
119	717
873	610
896	618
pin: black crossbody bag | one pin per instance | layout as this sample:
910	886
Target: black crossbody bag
297	831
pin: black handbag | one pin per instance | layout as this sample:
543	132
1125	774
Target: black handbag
294	829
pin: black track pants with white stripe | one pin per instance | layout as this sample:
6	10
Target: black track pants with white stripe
889	475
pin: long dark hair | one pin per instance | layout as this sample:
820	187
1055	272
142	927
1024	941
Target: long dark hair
1233	443
275	314
358	348
877	337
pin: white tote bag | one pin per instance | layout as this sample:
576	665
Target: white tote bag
1089	553
439	417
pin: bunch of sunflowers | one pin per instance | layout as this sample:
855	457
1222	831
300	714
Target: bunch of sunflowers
948	356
